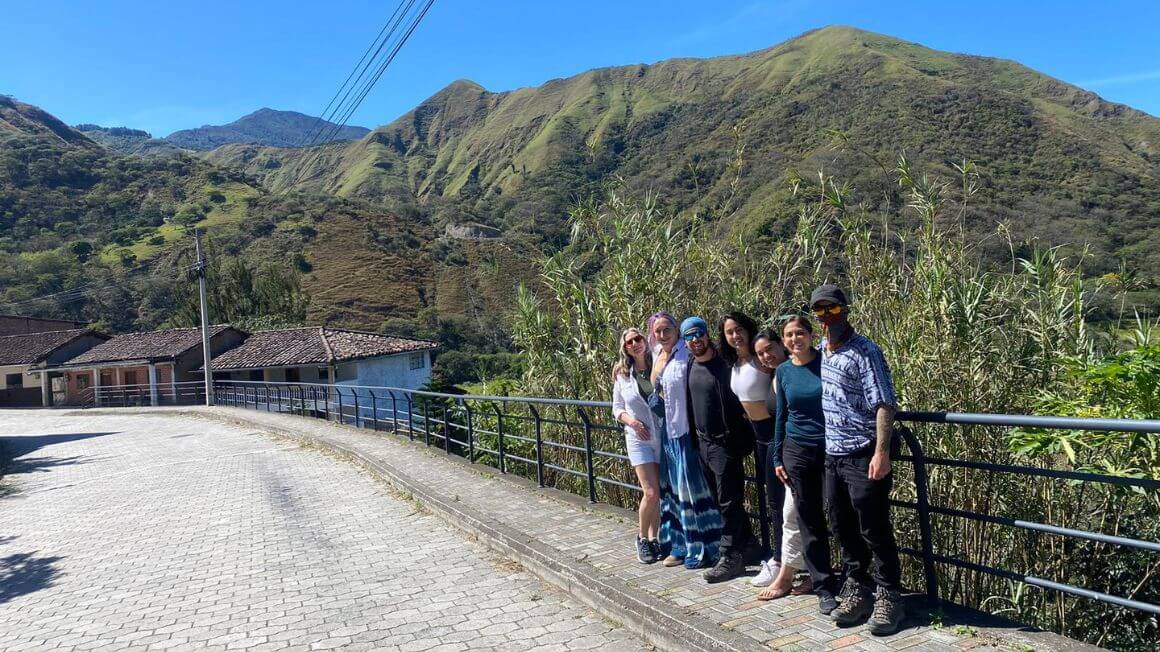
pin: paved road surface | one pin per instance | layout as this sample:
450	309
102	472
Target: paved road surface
142	532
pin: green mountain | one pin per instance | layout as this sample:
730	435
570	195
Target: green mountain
437	217
263	127
1059	163
127	141
107	236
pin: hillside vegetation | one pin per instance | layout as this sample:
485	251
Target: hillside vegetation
434	220
1058	162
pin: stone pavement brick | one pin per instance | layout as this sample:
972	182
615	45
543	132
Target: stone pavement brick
603	539
146	532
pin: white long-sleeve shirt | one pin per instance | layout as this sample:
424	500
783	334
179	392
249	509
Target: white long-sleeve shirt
672	382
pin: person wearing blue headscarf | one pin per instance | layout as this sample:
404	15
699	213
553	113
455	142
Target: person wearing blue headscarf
690	523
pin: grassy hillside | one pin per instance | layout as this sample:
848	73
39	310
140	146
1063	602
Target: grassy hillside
1059	163
376	225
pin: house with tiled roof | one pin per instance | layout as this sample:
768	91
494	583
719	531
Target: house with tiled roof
149	368
327	355
25	358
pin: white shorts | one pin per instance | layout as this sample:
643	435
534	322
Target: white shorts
643	452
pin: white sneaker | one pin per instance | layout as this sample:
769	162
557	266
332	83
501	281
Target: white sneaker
769	571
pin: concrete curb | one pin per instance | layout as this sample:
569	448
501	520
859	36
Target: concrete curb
639	611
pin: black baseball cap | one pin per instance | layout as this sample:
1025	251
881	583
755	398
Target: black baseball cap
828	292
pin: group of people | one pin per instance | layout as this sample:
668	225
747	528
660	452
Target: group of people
819	418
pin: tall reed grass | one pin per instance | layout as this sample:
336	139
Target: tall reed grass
961	334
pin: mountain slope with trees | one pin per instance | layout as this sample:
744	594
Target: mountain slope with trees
1059	163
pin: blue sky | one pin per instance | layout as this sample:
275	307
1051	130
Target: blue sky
163	66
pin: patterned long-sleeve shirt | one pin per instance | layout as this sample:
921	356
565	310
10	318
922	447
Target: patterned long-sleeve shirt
855	381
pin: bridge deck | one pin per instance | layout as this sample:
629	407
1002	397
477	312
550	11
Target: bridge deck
586	550
160	532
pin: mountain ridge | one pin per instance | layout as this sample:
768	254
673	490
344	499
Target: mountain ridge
266	126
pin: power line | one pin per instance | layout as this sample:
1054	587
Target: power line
346	107
322	119
353	106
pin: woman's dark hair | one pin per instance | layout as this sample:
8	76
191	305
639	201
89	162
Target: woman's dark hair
743	320
772	336
802	320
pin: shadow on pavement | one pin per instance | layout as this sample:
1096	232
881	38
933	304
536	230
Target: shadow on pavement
14	451
24	573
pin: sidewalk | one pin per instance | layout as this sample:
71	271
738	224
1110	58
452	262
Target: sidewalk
587	550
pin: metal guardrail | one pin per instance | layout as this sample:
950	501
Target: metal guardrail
436	416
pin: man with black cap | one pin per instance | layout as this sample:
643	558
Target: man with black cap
858	402
724	438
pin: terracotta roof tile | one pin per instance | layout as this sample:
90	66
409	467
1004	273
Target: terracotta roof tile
290	347
34	347
153	345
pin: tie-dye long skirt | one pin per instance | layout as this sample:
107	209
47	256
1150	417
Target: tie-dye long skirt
690	523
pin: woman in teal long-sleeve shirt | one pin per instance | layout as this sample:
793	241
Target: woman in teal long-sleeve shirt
799	439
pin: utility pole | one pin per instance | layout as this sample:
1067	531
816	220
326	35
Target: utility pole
205	351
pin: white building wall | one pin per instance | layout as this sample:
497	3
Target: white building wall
387	371
28	381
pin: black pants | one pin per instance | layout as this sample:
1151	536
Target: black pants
772	488
724	469
861	518
806	466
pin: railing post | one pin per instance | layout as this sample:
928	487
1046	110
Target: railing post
374	410
266	389
470	431
354	393
314	395
394	413
921	487
426	421
539	444
446	432
338	393
499	435
588	455
410	415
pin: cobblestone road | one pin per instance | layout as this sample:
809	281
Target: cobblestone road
142	532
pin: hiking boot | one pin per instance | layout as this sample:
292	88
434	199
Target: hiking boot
888	612
848	588
855	607
826	601
644	551
730	565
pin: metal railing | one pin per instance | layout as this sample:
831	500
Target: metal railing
506	432
180	393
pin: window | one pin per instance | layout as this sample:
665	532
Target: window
418	361
292	375
83	381
14	380
129	378
257	375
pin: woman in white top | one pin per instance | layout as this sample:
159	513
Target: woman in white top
752	384
642	439
690	522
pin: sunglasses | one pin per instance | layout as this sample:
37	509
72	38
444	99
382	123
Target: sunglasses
634	340
689	337
827	310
